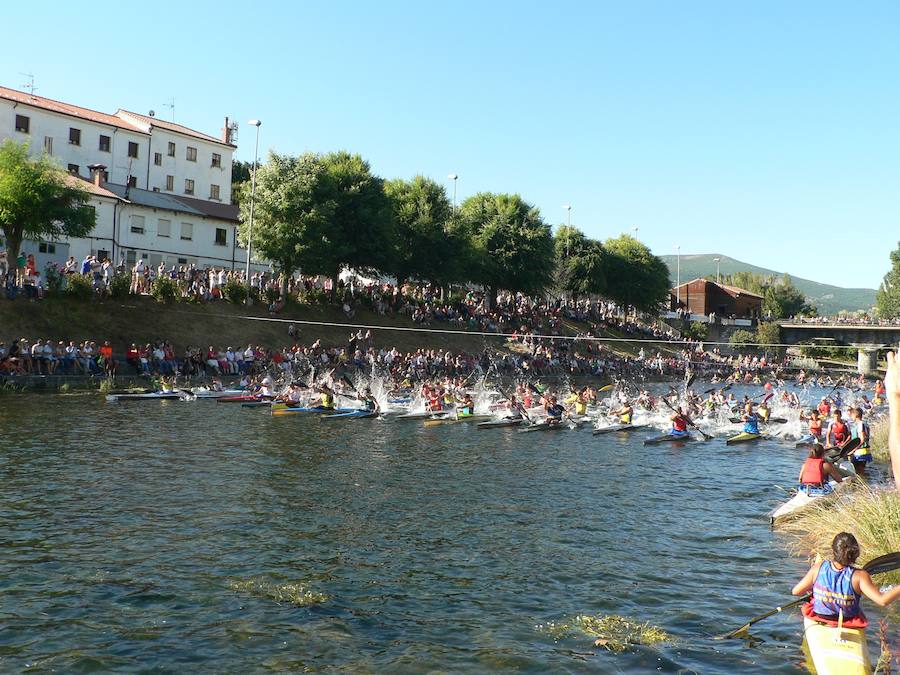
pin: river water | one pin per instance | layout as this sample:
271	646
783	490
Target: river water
129	529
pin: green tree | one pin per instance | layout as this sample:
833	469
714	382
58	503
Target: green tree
781	299
887	301
755	283
290	220
421	213
769	333
512	247
241	172
360	229
634	276
39	200
580	263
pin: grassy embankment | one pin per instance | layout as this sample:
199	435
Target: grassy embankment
142	320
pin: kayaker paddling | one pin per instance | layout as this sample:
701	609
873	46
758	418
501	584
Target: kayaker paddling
860	429
750	419
837	587
838	432
680	421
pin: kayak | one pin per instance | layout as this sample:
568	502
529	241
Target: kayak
450	419
417	415
801	501
743	437
152	395
498	424
256	404
544	426
670	438
771	420
282	409
806	440
212	393
618	427
241	398
830	650
356	414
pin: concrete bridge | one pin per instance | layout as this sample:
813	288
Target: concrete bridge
867	339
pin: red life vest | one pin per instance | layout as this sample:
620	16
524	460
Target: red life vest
840	432
815	427
679	423
812	471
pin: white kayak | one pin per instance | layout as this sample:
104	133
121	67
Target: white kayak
618	427
804	499
202	392
149	396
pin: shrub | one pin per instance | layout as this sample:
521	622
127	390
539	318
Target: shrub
697	330
234	291
119	286
80	287
742	340
54	278
769	334
164	289
271	295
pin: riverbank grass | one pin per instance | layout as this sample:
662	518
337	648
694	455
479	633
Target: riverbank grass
297	594
878	442
871	515
610	631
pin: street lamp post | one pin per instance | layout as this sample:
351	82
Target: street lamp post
255	123
568	208
717	269
678	275
454	178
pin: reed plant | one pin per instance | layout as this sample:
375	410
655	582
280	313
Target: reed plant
878	442
872	515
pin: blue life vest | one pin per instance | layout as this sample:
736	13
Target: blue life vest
680	433
555	411
751	426
833	592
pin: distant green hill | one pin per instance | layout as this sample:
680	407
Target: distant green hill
827	299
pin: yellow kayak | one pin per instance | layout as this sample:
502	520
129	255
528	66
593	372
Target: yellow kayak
835	651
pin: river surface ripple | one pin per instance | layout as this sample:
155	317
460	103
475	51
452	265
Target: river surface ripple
445	549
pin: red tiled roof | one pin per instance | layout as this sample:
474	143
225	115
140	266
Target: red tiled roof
171	126
68	109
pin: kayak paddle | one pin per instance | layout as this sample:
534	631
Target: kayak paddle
885	563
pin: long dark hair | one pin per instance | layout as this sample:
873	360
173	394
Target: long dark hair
845	549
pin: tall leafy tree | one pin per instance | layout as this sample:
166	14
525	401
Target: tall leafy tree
579	263
781	299
290	220
887	301
39	200
512	245
421	213
634	276
360	234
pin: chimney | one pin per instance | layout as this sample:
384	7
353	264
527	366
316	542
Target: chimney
226	132
96	173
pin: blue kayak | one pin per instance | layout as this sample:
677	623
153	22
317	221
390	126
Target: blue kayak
356	414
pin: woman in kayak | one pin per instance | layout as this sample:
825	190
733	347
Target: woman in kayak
554	410
465	406
814	423
838	432
816	470
750	420
837	587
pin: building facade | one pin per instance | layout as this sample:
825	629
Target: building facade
162	191
704	297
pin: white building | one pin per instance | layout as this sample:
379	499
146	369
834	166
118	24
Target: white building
163	192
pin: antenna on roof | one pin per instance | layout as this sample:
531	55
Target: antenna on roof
30	84
171	106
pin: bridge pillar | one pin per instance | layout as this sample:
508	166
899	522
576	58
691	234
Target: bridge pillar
866	358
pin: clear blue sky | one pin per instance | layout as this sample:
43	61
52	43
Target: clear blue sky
767	131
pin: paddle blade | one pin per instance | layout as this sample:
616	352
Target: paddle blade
885	563
605	388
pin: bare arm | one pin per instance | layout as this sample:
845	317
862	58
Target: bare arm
868	588
830	470
805	585
892	385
